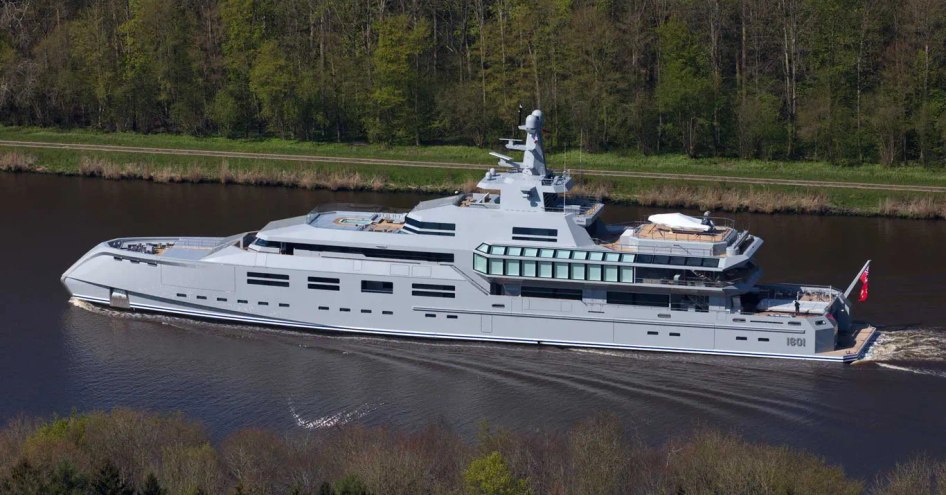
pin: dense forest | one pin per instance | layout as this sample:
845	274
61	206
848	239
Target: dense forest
848	81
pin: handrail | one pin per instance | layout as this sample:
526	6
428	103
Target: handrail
689	282
198	242
673	249
470	279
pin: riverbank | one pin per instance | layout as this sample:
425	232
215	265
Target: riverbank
860	190
128	450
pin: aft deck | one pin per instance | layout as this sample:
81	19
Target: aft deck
854	346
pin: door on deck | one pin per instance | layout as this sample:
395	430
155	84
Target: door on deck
487	324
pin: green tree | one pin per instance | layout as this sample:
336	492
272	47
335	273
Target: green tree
396	92
684	90
759	130
273	85
490	475
234	108
160	78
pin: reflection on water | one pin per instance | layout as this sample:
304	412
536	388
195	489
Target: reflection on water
55	356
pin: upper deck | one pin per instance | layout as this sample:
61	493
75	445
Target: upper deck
358	221
720	239
664	233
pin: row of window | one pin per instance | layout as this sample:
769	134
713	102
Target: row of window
610	257
552	270
677	334
534	231
776	322
408	228
534	235
224	299
654	332
397	254
348	310
324	283
430	225
656	259
383	287
562	254
270	279
133	262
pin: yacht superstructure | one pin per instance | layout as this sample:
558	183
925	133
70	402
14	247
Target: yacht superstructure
519	261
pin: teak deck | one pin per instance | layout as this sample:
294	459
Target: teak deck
655	231
855	344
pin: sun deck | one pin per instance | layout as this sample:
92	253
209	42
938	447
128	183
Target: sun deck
358	221
663	233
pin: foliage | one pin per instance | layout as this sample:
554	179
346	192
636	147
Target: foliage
152	486
350	485
124	452
490	475
843	81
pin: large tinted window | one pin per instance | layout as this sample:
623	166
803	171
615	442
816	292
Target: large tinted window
430	225
551	293
377	287
531	231
636	299
378	253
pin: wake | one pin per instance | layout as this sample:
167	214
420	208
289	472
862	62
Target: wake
920	344
330	420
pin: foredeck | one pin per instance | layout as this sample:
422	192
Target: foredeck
183	248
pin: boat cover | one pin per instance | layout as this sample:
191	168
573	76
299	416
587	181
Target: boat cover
679	221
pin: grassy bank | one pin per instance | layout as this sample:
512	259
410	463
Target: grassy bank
125	452
807	170
648	192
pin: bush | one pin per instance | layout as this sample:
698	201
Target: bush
490	475
162	454
915	477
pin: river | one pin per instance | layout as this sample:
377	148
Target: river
56	356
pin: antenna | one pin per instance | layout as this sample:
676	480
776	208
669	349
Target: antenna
564	172
519	118
581	173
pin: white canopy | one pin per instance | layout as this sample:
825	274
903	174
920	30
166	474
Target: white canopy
679	221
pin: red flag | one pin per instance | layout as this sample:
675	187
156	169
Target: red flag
864	285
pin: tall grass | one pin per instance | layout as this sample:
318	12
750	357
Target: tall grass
17	162
646	192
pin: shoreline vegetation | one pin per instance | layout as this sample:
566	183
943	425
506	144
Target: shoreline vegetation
132	452
669	193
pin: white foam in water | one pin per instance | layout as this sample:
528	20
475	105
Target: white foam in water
909	345
918	371
335	419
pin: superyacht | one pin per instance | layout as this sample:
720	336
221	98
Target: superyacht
520	261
